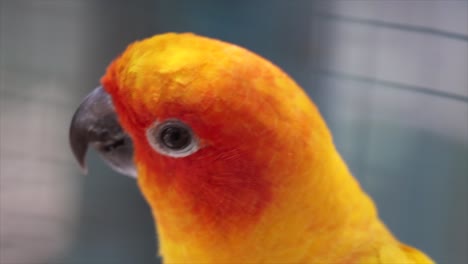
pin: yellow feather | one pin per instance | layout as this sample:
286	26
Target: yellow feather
299	202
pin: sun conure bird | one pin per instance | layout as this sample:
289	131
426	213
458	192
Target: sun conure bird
234	159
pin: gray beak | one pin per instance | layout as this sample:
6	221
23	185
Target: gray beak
95	123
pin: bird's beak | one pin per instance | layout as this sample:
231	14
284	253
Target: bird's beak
95	123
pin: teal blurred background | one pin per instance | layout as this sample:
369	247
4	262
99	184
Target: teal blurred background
390	77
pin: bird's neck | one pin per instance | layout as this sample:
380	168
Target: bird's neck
308	215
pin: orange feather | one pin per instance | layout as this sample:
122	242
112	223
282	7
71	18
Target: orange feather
267	185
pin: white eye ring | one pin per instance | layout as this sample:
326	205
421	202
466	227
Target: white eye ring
172	138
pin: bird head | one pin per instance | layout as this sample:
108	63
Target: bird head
226	147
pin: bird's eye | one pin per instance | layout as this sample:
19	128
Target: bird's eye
172	138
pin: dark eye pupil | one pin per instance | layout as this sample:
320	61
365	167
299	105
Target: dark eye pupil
175	137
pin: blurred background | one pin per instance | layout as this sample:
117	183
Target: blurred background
390	77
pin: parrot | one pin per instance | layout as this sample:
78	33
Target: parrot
233	157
